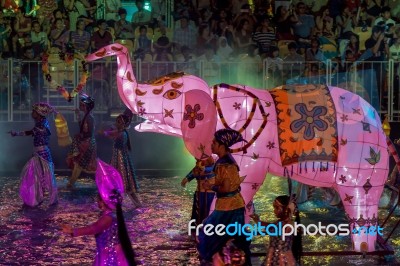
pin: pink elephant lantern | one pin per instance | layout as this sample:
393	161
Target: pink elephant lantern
315	134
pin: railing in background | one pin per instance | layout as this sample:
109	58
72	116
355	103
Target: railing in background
22	83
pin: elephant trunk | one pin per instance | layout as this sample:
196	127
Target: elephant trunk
126	81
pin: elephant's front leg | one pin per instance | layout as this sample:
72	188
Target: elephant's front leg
362	211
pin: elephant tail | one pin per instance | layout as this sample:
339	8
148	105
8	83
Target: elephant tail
393	152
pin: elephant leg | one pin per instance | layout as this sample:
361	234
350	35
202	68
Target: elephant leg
362	210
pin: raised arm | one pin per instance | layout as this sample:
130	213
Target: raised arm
95	228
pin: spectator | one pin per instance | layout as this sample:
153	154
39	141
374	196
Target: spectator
162	47
335	7
324	24
185	34
143	44
101	37
275	67
245	13
224	51
353	5
58	14
211	65
353	47
59	35
373	8
158	10
76	9
204	38
22	26
346	22
142	17
226	30
123	29
315	6
314	53
378	46
185	8
187	61
31	72
80	39
303	25
385	18
243	37
263	36
112	9
294	62
40	42
217	17
283	23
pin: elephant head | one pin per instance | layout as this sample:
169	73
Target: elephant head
177	104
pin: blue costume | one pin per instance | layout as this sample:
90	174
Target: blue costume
202	198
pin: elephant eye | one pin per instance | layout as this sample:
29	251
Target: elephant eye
172	94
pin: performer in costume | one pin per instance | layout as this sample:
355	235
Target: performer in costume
121	158
283	252
83	153
113	244
202	198
38	173
230	205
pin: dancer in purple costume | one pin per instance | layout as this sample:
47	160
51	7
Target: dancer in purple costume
38	173
113	244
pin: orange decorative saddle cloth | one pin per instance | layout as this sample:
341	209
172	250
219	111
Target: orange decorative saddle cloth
306	118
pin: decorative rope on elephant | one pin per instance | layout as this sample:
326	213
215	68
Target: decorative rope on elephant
256	101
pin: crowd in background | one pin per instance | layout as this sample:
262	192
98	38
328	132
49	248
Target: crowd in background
209	30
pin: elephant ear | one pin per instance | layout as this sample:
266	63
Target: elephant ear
198	123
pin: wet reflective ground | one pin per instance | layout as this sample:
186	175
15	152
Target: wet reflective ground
31	236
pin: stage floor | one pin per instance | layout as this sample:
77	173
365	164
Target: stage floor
31	236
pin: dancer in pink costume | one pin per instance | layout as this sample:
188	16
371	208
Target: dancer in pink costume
38	173
112	239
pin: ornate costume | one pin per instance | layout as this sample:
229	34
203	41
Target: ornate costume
83	152
109	250
112	240
281	251
38	173
202	198
121	159
230	205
